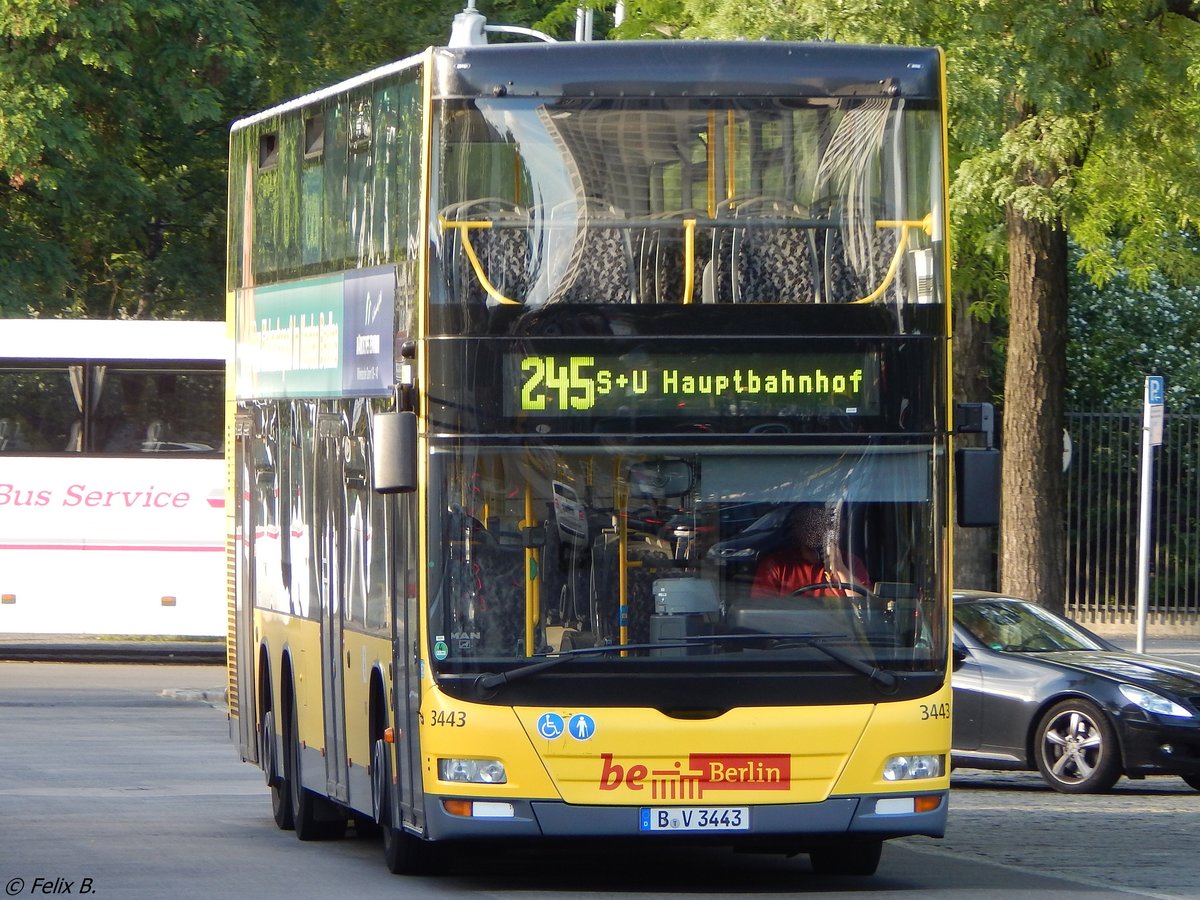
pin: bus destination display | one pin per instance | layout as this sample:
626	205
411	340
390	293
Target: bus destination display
688	384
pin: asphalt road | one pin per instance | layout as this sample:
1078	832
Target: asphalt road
118	781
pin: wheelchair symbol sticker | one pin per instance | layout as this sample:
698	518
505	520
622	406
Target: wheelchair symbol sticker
582	727
550	726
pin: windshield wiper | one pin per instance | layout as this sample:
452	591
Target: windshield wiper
491	681
885	679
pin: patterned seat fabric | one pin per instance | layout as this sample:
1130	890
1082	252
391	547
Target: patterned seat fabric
845	284
777	265
504	257
662	258
649	560
600	268
502	250
768	262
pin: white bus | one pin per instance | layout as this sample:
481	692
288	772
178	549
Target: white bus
111	477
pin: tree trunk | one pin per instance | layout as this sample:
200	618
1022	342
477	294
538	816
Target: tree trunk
974	548
1032	544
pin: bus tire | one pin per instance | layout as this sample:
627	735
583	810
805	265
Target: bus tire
850	858
403	853
311	818
281	793
406	854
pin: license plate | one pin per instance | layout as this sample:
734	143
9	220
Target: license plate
695	818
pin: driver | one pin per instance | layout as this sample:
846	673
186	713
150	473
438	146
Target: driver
810	557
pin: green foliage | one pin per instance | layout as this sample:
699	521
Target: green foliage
1123	332
113	123
112	132
352	36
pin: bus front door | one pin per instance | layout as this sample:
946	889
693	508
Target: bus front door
406	683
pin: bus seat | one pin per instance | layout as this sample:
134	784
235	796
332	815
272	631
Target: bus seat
485	584
662	258
599	268
845	282
502	251
648	559
774	262
501	597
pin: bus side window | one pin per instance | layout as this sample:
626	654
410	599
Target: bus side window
10	435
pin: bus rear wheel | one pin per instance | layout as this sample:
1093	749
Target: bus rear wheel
313	817
857	858
281	793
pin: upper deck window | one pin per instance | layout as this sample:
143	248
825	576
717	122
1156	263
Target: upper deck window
832	201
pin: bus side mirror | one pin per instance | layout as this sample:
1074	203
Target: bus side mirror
394	452
977	486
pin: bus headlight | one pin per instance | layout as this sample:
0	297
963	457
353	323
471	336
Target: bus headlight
907	768
472	771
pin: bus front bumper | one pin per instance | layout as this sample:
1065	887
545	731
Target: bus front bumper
869	816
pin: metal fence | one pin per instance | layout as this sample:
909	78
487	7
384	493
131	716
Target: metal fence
1102	520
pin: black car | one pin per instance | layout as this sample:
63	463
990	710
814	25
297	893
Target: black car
762	535
1035	691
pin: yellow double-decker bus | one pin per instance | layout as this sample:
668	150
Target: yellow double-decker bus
591	450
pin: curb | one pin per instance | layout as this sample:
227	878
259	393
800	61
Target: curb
103	651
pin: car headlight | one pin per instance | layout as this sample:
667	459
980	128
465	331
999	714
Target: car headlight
905	768
1152	702
472	771
734	555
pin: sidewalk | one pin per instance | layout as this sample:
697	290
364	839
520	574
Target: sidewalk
105	649
1185	648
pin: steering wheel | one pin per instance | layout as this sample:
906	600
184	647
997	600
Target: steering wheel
860	605
851	586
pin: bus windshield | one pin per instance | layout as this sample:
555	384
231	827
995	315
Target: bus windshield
825	200
709	558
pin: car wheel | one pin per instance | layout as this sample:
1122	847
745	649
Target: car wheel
857	858
1193	780
1076	748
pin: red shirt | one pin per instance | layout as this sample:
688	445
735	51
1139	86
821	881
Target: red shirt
783	571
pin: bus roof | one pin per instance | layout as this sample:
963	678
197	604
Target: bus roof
115	339
694	69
